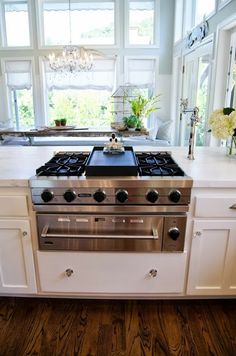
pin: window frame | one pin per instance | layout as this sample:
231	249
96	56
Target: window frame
3	33
41	35
156	26
222	3
8	90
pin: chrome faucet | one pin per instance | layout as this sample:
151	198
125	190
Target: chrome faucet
194	119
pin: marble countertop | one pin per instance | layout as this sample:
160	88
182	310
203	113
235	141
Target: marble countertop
211	167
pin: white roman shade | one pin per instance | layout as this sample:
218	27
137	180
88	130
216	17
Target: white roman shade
141	72
102	77
19	74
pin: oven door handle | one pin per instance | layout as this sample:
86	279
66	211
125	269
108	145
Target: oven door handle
45	234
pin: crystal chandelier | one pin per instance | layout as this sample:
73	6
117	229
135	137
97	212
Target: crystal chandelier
73	58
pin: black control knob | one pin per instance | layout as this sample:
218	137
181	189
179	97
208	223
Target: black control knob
174	196
174	233
152	196
47	196
99	196
122	195
69	196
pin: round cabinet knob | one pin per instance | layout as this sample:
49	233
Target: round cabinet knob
174	233
47	196
69	272
152	196
174	196
153	273
69	196
99	196
122	195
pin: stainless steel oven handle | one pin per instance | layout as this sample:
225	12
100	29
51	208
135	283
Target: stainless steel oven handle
45	234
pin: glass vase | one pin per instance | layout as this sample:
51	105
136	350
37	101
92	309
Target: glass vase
231	146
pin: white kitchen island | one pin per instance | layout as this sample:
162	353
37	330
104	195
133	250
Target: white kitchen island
206	268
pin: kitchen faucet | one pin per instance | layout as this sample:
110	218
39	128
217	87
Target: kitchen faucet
194	119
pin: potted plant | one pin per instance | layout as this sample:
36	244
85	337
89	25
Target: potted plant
63	122
141	108
132	122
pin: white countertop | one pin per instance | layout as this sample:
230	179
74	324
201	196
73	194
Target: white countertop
211	167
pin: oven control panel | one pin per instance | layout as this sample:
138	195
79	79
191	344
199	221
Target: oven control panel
111	196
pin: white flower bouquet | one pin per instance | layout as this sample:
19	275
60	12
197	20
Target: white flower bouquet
222	123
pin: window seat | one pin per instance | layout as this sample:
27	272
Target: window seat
81	141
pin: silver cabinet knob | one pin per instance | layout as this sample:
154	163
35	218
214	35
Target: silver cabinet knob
24	233
69	272
197	234
152	273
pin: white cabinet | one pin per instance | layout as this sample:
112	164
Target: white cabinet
16	258
100	273
212	268
17	272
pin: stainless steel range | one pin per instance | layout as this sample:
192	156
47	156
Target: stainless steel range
111	202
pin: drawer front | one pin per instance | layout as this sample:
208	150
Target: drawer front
111	273
208	206
13	206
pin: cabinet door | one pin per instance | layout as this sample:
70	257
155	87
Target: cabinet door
16	257
212	268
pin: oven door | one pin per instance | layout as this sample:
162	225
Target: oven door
100	232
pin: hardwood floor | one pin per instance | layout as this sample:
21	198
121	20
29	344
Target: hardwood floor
47	327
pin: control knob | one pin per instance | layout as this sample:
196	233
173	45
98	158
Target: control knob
122	195
99	196
152	196
69	196
174	195
47	196
174	233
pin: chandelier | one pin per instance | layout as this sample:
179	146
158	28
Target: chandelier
73	58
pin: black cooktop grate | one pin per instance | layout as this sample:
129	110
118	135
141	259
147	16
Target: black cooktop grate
64	164
157	164
74	164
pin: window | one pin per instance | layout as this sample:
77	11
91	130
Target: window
141	23
87	22
141	72
37	97
16	20
19	83
231	79
203	9
84	100
178	20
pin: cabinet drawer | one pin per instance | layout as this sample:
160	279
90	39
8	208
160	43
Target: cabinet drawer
111	273
208	206
13	206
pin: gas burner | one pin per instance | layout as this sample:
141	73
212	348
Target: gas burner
157	164
64	164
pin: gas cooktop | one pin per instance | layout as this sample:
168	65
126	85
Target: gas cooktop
75	164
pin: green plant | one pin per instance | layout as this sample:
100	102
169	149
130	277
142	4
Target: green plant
132	121
142	107
63	122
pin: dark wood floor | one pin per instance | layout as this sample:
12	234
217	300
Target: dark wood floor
31	326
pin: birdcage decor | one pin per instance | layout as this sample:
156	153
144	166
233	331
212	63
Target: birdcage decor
120	99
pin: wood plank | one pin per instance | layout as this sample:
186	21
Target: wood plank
35	326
